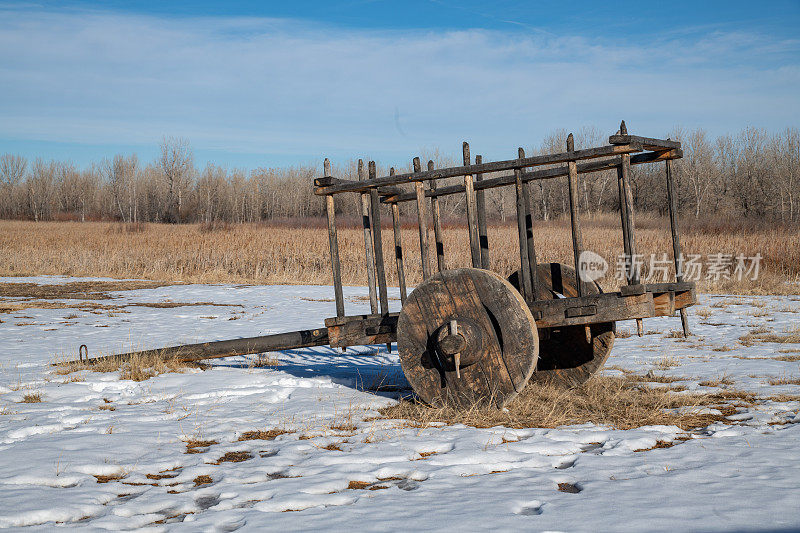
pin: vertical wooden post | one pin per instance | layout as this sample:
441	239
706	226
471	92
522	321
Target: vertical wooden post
483	236
623	213
366	221
472	215
334	245
526	196
672	201
629	232
577	239
398	247
380	271
627	194
437	224
524	262
422	221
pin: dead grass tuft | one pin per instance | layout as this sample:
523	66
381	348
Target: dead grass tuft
202	480
333	447
344	427
722	380
198	446
259	434
111	477
235	457
622	402
569	488
32	397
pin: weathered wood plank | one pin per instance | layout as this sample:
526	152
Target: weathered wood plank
333	241
549	173
524	263
472	208
495	166
647	142
398	251
577	238
380	329
672	203
529	244
483	236
610	307
366	222
437	224
422	223
380	268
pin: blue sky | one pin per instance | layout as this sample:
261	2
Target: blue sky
260	84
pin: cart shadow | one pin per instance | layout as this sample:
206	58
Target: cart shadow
369	369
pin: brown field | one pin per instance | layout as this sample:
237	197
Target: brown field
290	253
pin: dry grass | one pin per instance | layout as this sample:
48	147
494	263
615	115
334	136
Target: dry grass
259	434
784	380
264	254
198	446
235	457
32	397
202	480
363	485
716	382
622	402
110	477
138	368
791	335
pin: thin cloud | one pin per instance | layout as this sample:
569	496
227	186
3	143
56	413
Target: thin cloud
293	87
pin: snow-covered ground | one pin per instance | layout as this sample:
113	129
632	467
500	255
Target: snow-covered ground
741	475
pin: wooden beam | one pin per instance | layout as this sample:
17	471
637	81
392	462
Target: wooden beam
366	222
437	224
422	223
333	241
550	173
483	236
495	166
647	142
472	215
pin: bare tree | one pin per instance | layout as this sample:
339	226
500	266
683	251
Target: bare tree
176	164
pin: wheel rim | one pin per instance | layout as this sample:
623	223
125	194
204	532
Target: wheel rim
498	339
566	355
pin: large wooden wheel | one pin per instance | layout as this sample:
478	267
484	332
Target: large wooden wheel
568	355
466	336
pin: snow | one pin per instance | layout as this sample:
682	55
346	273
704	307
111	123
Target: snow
741	474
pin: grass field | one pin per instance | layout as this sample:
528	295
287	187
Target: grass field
291	253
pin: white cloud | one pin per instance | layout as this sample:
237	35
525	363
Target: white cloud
285	86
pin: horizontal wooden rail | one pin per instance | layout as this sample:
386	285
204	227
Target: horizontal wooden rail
483	168
548	173
647	142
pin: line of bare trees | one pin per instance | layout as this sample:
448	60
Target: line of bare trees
750	175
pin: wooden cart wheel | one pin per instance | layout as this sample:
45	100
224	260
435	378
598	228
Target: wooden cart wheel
566	355
466	336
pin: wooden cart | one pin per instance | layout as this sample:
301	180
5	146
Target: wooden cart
470	335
